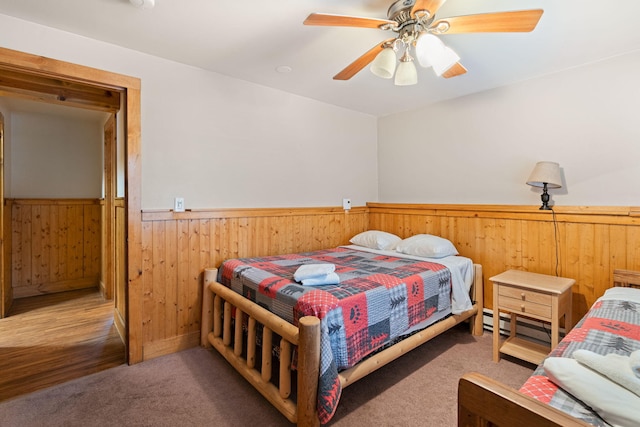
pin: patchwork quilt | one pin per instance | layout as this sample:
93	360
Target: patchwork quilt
610	326
379	298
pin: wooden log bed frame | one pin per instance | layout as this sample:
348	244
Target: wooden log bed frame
484	402
218	303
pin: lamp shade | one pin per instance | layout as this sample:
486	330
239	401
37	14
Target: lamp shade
545	173
385	63
406	74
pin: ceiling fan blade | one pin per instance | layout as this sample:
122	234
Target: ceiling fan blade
456	70
357	65
328	20
431	5
517	21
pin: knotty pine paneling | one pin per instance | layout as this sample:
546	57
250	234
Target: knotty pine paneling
55	245
584	243
176	247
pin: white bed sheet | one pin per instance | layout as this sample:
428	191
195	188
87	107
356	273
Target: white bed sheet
621	293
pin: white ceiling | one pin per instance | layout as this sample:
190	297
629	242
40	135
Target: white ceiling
249	39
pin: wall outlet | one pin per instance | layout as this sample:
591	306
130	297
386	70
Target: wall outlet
346	204
178	204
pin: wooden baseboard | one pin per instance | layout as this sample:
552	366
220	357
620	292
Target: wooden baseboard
159	348
120	325
54	287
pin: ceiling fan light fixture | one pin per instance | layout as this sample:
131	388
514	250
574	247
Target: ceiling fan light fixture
445	60
428	49
406	74
385	63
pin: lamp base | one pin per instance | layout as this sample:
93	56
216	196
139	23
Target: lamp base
545	199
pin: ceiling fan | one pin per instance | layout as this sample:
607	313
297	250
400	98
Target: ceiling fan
417	29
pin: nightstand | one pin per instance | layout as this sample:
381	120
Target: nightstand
537	296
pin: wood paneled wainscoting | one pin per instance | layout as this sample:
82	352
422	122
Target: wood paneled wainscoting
176	247
55	245
590	241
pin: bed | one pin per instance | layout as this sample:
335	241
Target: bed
325	338
610	331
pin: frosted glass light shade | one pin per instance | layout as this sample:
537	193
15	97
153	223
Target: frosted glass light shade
428	49
384	64
444	61
406	74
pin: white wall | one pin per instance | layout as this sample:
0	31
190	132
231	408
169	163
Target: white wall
54	157
221	142
482	148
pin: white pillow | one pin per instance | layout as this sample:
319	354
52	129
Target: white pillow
427	245
375	239
615	404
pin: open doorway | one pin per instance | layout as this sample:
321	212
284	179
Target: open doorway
58	169
53	81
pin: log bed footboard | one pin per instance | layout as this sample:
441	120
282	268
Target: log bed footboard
217	304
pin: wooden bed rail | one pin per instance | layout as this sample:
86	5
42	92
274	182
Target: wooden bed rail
217	304
504	406
362	369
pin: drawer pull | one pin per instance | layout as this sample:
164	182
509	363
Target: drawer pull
522	308
522	296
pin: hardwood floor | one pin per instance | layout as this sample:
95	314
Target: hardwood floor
51	339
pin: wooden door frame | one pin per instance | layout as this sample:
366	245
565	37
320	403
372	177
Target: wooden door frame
51	82
6	293
109	212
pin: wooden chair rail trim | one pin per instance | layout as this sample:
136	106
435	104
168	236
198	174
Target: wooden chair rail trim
88	201
623	215
165	215
564	210
590	215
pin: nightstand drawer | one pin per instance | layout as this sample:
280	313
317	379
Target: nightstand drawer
525	307
525	296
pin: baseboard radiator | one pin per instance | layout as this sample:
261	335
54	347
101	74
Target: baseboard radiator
530	329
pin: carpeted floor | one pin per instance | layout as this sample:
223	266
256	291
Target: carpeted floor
197	387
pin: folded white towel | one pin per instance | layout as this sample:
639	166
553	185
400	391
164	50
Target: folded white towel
307	271
327	279
614	403
634	362
613	366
